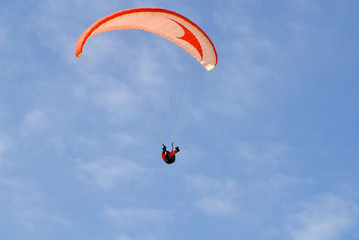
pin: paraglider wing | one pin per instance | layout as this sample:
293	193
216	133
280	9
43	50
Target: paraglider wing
162	22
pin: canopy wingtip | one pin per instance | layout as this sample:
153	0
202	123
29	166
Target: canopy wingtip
209	67
79	55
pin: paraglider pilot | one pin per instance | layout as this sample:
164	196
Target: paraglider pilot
169	157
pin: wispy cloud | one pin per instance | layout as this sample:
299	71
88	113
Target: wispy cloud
325	217
215	197
124	140
5	145
34	122
244	67
139	236
216	206
120	102
22	203
138	217
110	172
3	34
261	156
108	94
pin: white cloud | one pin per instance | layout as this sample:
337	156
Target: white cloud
3	34
139	236
124	140
22	202
5	145
261	157
29	217
216	206
34	122
60	220
115	96
326	218
216	197
2	147
19	191
109	172
121	103
245	56
54	28
135	217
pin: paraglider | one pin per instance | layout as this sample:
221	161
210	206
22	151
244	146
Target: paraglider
168	24
165	23
169	157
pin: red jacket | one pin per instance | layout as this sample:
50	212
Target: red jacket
169	154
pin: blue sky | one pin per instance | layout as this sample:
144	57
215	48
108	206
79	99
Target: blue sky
269	139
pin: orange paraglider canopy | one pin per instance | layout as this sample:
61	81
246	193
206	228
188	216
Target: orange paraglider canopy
162	22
